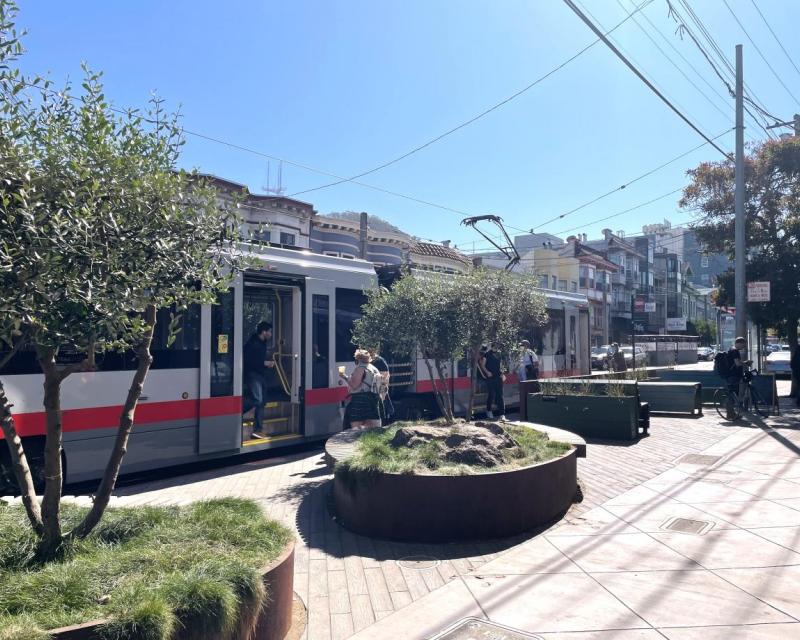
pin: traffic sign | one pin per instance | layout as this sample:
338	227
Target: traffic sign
758	291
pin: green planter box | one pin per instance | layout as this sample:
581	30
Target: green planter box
601	417
709	380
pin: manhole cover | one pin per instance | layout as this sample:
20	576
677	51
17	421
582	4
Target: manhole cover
699	459
418	562
686	525
475	629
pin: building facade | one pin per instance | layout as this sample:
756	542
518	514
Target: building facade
595	273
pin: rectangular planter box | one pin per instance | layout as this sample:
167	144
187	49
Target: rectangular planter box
709	380
601	417
672	397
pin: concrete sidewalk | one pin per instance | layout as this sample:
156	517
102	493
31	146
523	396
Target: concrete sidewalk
706	549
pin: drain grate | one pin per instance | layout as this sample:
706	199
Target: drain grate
699	459
476	629
420	563
687	525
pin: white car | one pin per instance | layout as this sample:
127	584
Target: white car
705	353
641	356
778	363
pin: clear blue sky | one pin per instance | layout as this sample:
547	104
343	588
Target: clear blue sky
344	86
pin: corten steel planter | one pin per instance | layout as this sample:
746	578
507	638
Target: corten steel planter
274	620
601	417
437	508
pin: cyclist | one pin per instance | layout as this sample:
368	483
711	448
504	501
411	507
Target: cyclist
734	371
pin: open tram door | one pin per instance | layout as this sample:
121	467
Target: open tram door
279	301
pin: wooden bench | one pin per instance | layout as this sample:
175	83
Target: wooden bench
673	397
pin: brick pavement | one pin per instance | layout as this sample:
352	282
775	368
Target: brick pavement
349	582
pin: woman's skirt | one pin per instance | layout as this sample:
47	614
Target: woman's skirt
362	406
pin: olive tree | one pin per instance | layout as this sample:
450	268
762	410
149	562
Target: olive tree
416	316
443	317
98	230
497	307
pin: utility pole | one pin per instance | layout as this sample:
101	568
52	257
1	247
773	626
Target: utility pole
741	286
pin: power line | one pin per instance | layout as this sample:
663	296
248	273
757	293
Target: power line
763	57
476	117
713	43
702	77
639	75
674	64
774	35
627	184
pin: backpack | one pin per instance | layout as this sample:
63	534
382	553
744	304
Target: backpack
372	380
722	364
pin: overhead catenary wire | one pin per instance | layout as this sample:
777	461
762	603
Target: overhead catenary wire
774	35
758	51
639	75
715	49
624	185
477	117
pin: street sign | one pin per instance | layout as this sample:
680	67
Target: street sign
638	305
649	307
676	324
758	291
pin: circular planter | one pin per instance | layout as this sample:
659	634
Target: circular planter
274	619
436	508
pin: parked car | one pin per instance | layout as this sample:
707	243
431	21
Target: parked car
778	363
641	356
705	353
600	357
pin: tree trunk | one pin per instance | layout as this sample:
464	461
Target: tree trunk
126	419
436	393
53	479
446	399
791	332
472	378
20	464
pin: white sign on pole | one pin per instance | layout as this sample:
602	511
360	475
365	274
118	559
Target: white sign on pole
649	307
758	291
676	324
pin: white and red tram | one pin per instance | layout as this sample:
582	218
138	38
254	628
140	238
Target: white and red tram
191	405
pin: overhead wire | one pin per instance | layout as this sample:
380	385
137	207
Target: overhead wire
639	74
624	185
480	115
774	35
758	50
716	49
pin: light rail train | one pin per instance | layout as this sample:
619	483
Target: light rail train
191	405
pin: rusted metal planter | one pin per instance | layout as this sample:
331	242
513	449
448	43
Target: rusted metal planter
438	508
274	620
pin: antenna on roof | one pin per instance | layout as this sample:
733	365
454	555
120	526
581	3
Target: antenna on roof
278	189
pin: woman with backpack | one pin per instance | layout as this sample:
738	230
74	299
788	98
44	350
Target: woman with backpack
363	409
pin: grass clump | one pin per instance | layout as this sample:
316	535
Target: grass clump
150	571
375	454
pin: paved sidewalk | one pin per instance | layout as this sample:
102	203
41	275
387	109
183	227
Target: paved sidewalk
731	568
608	563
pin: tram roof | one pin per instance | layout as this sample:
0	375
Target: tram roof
303	261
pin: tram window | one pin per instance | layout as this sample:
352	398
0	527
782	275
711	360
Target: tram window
287	238
184	352
222	345
320	323
348	310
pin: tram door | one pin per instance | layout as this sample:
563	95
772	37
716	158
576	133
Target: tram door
281	416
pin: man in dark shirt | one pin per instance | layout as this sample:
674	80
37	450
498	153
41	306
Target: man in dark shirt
736	363
492	370
256	365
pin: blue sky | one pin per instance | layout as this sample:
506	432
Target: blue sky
344	86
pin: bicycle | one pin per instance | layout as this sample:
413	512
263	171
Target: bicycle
730	406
